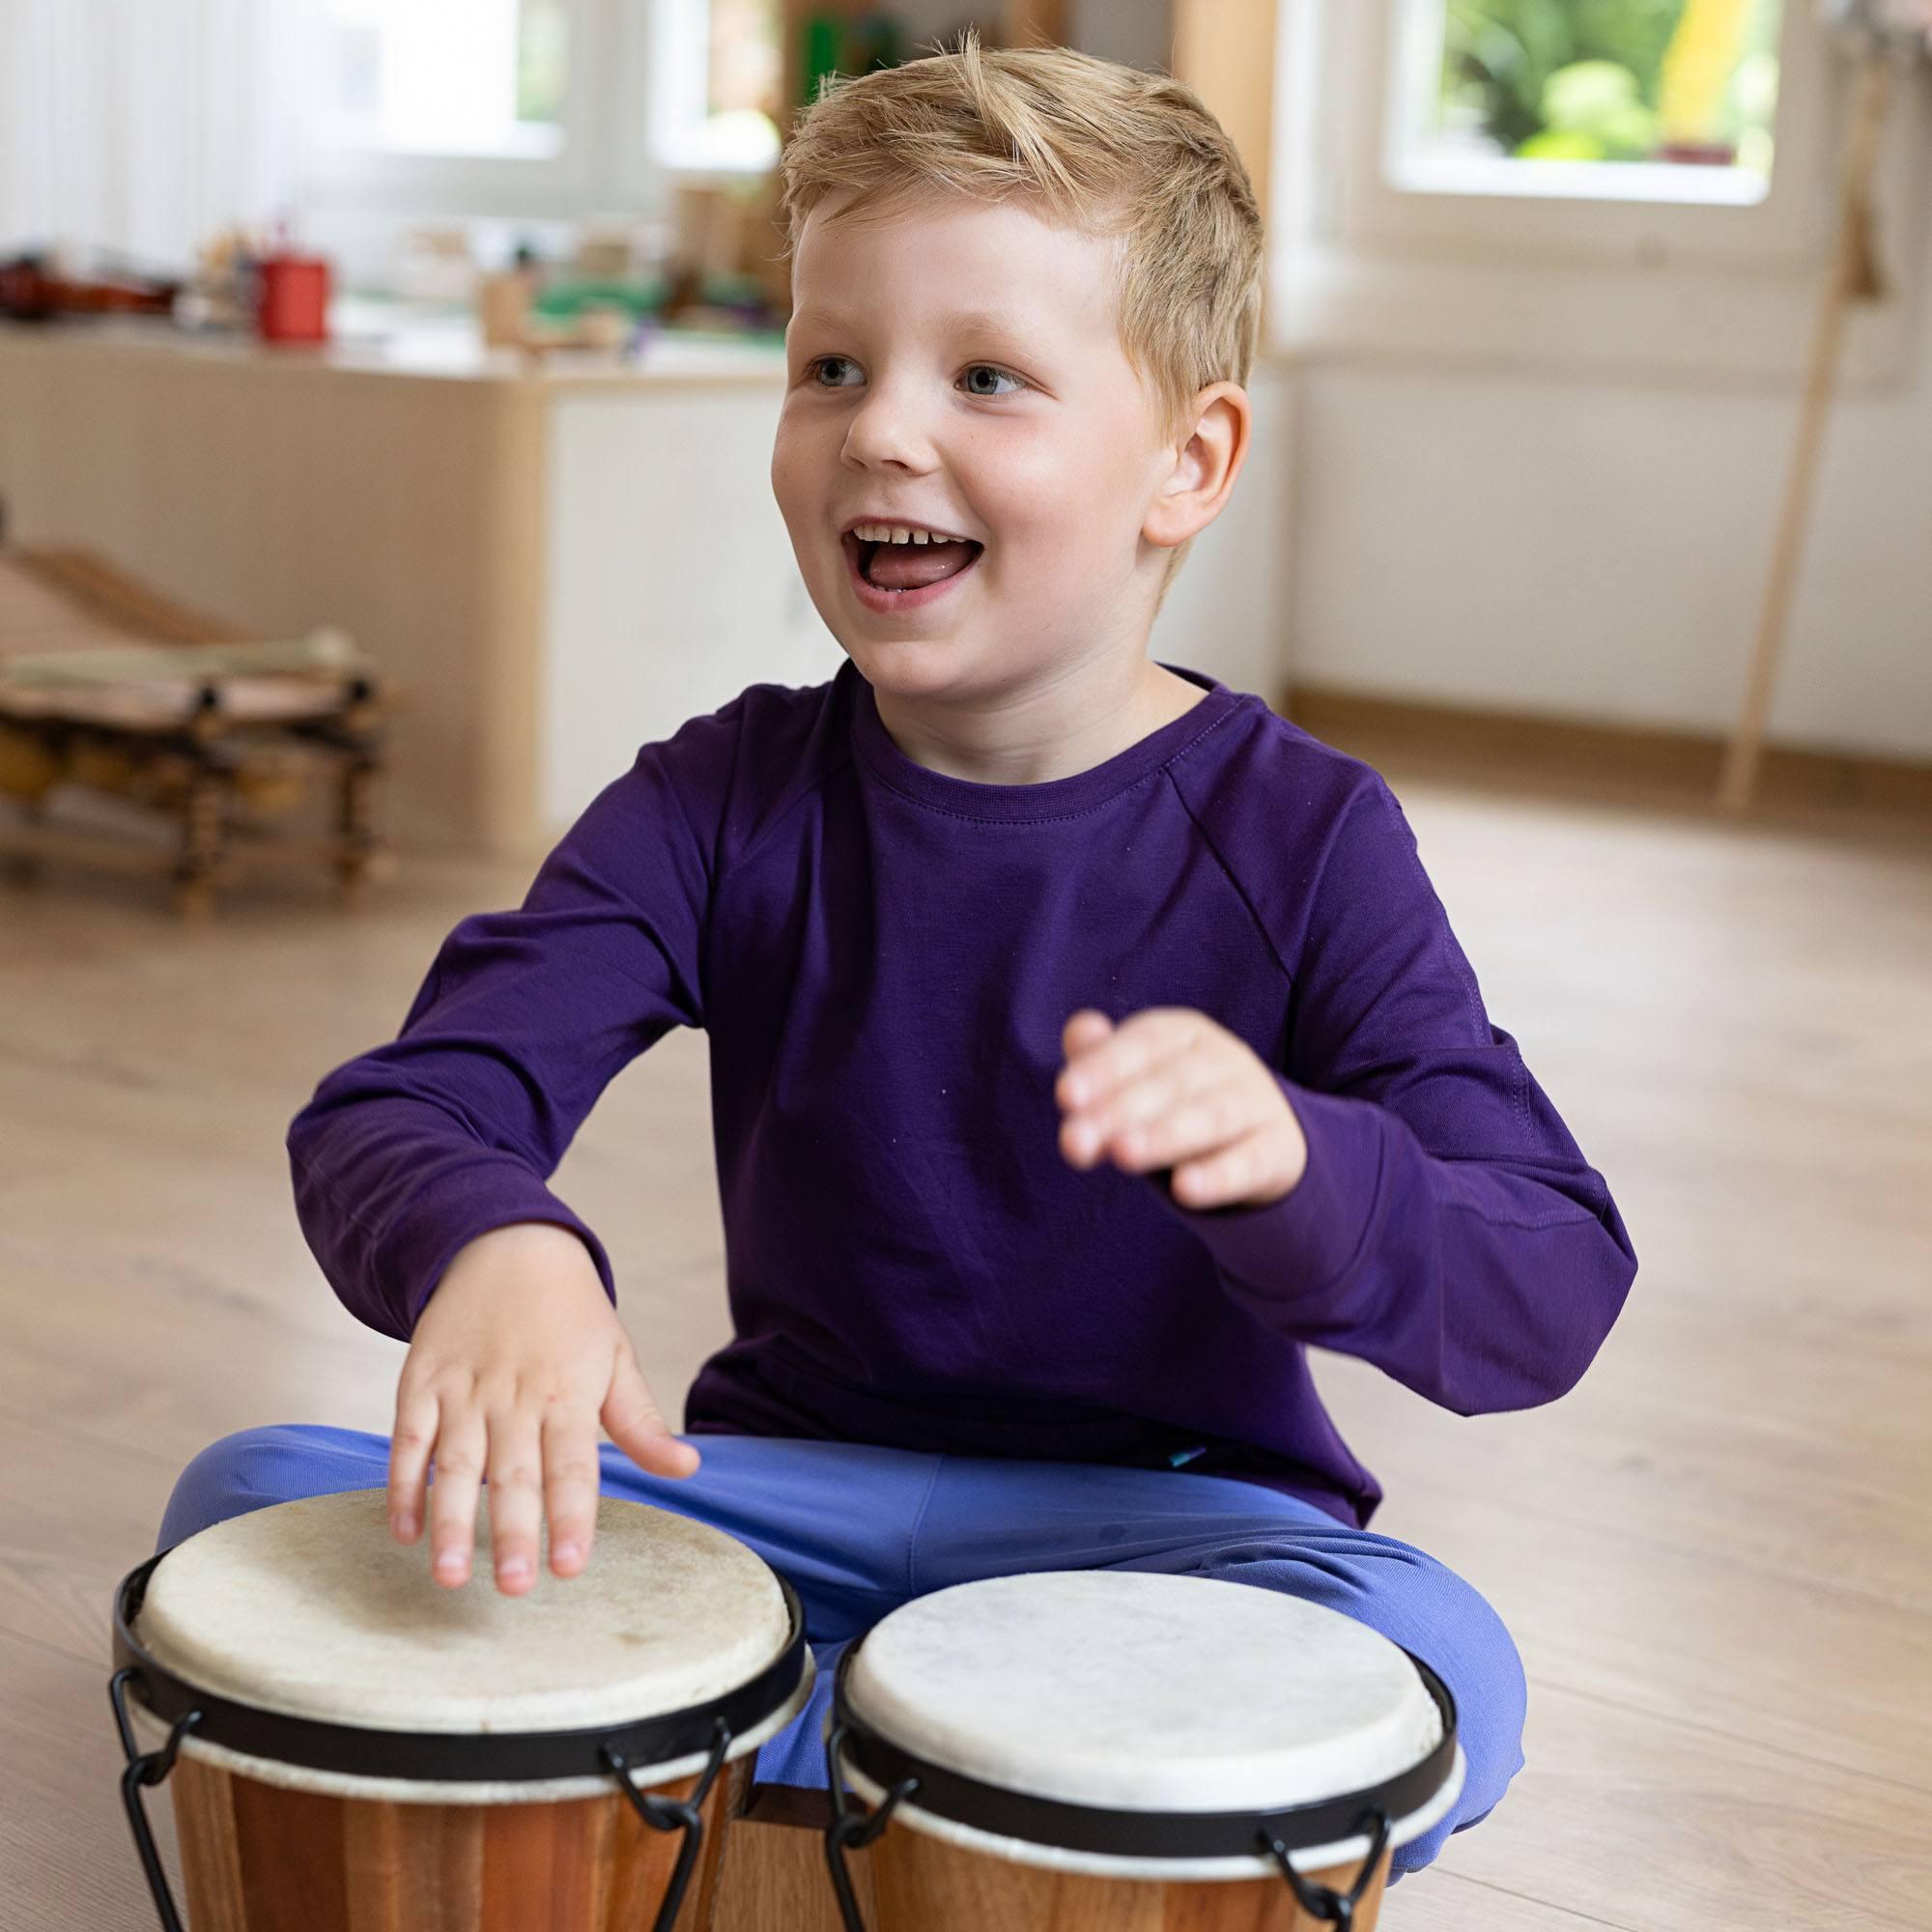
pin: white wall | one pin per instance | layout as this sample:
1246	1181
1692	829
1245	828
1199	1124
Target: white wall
1544	443
1599	551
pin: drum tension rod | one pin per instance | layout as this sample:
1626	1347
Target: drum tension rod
673	1814
1320	1902
852	1830
146	1768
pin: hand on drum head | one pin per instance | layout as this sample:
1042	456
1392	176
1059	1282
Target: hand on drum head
517	1358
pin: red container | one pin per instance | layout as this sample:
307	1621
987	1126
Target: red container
291	304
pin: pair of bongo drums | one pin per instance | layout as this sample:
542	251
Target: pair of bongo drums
350	1746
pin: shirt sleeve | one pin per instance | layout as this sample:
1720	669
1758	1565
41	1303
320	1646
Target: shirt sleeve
413	1150
1447	1227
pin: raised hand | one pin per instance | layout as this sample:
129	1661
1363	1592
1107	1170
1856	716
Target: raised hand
1170	1088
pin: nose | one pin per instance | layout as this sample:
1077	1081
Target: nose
887	431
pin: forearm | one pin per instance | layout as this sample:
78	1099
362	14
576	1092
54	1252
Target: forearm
388	1189
1482	1284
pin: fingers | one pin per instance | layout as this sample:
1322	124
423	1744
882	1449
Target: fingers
1145	1067
1088	1027
515	1497
452	1497
1147	1120
1170	1088
410	1443
571	1474
1198	1123
1095	1071
637	1426
1238	1172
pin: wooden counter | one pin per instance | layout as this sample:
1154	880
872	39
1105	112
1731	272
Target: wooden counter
396	489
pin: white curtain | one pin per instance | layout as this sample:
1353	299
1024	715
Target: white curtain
140	127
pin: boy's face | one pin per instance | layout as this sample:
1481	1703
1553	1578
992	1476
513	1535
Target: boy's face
958	365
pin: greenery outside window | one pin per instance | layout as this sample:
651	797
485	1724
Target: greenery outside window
1670	100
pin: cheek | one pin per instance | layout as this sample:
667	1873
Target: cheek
792	477
1056	495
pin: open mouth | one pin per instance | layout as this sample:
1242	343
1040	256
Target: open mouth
890	576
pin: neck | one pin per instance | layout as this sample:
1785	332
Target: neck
1080	718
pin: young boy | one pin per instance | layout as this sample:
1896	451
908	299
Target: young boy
1086	1039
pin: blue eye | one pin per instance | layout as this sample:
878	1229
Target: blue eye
820	363
992	369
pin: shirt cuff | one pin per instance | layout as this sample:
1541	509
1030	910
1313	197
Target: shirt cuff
1302	1246
471	1201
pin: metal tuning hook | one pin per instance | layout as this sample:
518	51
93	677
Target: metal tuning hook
146	1768
671	1814
1320	1902
852	1830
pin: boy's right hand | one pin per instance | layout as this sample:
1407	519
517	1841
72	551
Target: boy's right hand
516	1357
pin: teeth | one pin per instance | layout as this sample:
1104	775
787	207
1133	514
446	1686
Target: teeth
899	533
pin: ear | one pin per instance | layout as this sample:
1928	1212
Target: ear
1205	465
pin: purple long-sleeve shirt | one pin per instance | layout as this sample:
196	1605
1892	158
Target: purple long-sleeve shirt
883	958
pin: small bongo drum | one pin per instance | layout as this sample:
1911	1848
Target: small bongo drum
1140	1751
353	1745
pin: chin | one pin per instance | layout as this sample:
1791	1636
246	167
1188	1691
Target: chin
910	666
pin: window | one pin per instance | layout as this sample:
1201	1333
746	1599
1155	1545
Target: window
1614	100
1652	267
476	77
716	76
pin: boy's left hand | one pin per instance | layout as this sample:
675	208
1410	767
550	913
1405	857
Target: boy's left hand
1170	1088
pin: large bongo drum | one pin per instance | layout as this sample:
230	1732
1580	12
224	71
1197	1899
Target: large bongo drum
353	1746
1137	1751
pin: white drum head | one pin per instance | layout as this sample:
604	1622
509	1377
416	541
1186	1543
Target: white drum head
1131	1691
313	1609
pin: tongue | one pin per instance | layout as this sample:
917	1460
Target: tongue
913	566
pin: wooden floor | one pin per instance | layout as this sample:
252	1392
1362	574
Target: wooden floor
1715	1555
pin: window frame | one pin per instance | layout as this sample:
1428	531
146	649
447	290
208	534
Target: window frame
1782	226
1364	269
610	158
665	148
1415	79
346	174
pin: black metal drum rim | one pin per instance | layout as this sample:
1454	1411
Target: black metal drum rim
449	1757
1064	1826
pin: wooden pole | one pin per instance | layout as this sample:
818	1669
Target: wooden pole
1224	50
1033	22
1852	276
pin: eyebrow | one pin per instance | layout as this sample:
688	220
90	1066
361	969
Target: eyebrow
984	319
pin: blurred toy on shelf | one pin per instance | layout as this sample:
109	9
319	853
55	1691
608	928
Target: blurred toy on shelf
435	265
41	286
291	292
511	308
135	733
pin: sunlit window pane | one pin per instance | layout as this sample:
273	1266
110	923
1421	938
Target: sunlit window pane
1543	95
447	77
718	77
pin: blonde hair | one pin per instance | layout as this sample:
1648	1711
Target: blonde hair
1110	148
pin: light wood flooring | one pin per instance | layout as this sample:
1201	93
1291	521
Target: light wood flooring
1715	1555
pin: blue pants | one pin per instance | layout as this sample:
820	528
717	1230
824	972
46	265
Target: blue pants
858	1531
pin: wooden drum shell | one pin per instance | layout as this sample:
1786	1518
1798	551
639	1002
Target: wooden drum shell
924	1883
260	1858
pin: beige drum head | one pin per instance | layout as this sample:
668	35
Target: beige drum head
311	1611
314	1610
1126	1691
